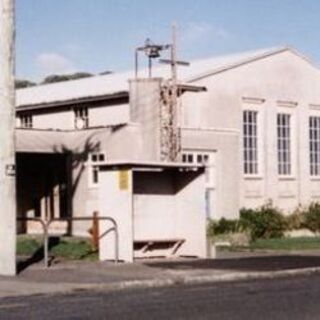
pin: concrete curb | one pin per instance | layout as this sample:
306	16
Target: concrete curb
229	277
191	279
167	282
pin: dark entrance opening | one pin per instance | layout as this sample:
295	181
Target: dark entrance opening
43	185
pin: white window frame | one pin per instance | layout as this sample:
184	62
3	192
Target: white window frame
314	145
26	120
293	143
250	140
258	108
200	157
94	160
81	118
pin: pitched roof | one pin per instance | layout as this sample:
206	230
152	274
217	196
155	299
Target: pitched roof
111	84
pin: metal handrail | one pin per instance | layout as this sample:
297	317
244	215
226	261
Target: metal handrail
46	226
102	218
45	235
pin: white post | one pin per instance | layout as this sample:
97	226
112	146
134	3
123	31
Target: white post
7	144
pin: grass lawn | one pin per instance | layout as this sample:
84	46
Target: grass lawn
63	247
301	243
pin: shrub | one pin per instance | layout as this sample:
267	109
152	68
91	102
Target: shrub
296	220
312	217
265	222
223	226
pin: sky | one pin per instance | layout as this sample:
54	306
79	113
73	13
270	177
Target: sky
66	36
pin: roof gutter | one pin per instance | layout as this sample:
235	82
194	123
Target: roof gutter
65	103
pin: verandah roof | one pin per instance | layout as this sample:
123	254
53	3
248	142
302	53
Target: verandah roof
57	141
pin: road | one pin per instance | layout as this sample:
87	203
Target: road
289	298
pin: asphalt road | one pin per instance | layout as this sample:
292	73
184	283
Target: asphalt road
290	298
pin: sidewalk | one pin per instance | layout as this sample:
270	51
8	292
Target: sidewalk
66	277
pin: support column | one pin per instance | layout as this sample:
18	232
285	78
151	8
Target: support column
7	147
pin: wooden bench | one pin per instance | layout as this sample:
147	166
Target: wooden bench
146	245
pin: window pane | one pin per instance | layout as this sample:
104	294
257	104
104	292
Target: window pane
314	145
284	144
250	141
81	119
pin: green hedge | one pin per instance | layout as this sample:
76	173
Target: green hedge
312	217
223	226
268	222
264	223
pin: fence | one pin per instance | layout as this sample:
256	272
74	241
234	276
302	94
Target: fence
46	235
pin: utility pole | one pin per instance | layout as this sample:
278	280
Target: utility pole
175	130
170	136
7	140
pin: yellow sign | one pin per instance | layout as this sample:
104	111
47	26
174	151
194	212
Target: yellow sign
123	180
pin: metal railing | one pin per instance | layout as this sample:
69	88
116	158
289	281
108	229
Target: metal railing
46	235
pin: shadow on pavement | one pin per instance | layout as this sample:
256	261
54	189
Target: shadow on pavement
37	256
270	263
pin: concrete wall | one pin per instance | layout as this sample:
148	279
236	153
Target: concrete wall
153	206
191	217
116	202
170	205
63	118
145	110
118	144
283	82
109	115
226	147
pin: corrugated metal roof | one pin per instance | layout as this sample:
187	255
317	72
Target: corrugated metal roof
115	83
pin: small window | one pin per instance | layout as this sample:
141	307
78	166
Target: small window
202	158
195	157
81	118
95	175
95	158
26	120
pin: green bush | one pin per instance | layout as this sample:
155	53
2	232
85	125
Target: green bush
296	220
265	222
223	226
312	217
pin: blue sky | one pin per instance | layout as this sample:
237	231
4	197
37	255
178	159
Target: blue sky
64	36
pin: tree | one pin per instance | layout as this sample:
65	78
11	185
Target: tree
65	77
103	73
23	83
